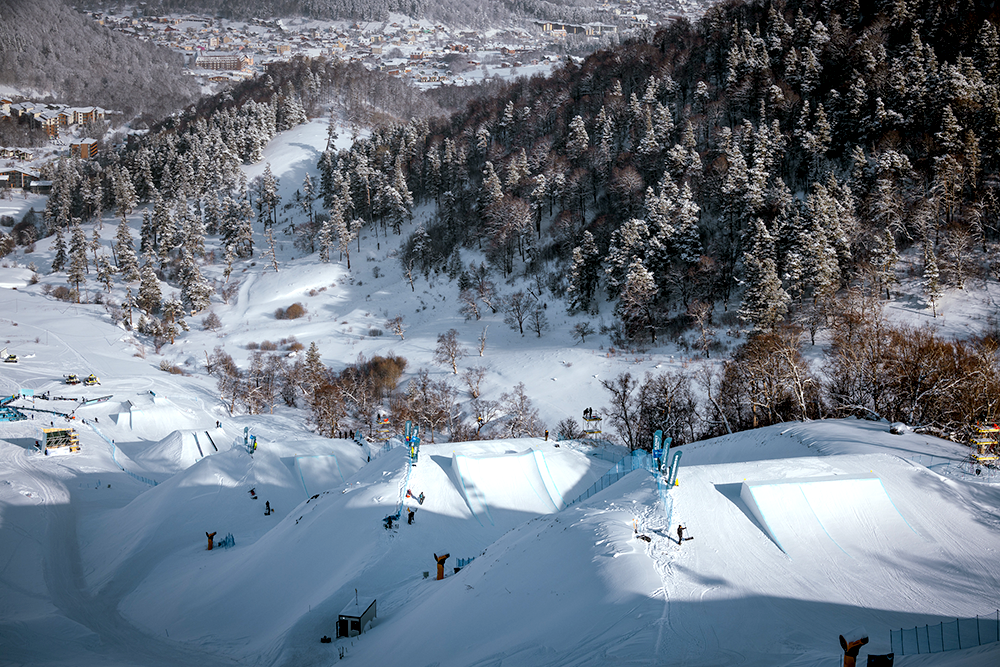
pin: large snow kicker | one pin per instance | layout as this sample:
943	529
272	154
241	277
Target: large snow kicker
518	482
839	516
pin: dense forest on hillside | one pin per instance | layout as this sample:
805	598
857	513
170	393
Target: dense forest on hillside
759	172
48	47
479	14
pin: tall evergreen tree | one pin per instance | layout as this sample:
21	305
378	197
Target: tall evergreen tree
584	273
78	265
196	292
765	302
59	245
149	297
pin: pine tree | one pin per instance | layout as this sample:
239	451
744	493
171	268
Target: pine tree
78	265
313	373
149	297
687	238
59	245
636	300
173	319
884	258
308	197
629	241
347	232
196	292
932	276
765	302
268	198
584	273
105	272
577	141
124	249
125	197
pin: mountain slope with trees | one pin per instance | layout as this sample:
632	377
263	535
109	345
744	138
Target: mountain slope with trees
760	171
51	48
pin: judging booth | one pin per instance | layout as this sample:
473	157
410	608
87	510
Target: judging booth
355	617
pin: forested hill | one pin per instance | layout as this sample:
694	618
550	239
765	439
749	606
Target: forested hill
48	47
760	172
472	13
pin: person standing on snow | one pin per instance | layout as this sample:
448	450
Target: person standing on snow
680	533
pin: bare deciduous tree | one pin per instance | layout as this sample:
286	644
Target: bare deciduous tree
516	308
581	330
449	350
395	325
473	378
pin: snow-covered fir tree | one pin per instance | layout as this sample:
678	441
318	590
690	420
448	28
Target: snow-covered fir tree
196	292
59	247
78	264
149	297
584	273
765	302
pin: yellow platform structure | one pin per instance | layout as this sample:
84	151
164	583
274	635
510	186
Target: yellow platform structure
986	440
56	438
591	423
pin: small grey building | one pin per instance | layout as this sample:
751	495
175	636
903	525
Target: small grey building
355	617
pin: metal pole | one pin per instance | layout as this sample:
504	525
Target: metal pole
927	632
958	629
979	633
942	636
917	638
891	650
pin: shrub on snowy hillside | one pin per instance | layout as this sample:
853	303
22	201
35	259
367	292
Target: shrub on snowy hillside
293	312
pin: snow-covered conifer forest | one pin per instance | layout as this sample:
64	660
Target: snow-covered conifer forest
769	235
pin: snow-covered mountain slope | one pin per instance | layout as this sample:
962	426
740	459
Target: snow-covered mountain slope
842	524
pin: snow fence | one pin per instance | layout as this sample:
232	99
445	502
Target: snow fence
946	636
637	460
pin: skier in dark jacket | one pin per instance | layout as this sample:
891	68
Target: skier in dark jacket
409	517
680	533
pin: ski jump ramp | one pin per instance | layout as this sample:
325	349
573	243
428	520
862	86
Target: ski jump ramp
319	472
519	482
840	516
181	449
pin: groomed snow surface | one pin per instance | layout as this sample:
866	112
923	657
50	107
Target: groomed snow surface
801	532
838	530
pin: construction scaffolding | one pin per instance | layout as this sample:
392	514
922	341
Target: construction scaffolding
986	440
591	423
56	438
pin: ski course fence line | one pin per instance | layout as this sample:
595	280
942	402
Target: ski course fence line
946	636
114	457
372	454
637	460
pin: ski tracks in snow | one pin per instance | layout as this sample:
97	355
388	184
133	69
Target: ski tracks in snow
675	642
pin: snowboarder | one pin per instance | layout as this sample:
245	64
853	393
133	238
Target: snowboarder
388	522
253	493
420	498
680	533
409	516
210	542
267	508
